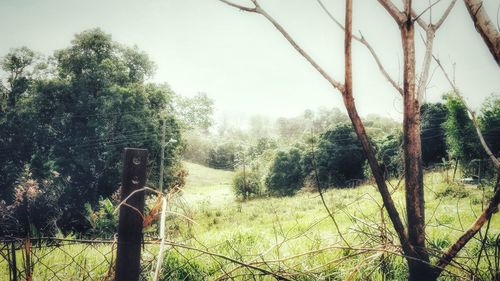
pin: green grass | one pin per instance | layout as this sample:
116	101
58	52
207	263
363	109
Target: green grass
282	229
238	228
205	184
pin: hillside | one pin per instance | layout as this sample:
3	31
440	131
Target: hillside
206	184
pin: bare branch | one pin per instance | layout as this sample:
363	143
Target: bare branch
492	208
416	18
380	65
301	51
485	27
457	92
445	15
430	31
243	8
395	13
426	64
363	41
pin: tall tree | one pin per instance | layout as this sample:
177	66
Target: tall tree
96	102
16	122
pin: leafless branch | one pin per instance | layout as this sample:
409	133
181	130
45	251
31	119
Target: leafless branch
416	18
492	207
363	41
241	7
395	13
485	27
457	92
430	31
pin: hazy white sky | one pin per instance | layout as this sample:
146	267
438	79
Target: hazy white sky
242	62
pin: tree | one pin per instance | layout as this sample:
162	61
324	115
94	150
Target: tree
195	113
16	64
16	118
285	176
390	152
339	157
247	184
222	156
490	123
432	133
96	102
460	136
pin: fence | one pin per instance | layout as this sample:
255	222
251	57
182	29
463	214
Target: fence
129	257
79	259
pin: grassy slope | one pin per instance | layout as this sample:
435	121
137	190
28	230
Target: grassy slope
254	226
205	184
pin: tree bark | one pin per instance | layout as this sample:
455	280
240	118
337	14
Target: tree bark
418	262
484	27
359	128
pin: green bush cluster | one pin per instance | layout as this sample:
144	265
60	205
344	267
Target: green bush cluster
247	184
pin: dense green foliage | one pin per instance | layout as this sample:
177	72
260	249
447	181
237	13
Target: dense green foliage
285	176
247	184
390	153
490	123
222	156
75	118
463	143
433	116
339	156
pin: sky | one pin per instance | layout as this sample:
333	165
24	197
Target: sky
242	62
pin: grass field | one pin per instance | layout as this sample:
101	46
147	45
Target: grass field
301	224
292	235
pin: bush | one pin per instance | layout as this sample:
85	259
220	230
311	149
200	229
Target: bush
33	200
222	157
339	156
104	220
433	116
247	184
285	175
391	155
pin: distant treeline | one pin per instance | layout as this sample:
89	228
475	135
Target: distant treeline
321	148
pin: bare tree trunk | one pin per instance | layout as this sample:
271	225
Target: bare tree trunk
419	266
359	128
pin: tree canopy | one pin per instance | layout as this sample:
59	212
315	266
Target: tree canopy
76	121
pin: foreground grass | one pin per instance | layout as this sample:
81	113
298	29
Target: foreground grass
301	224
289	235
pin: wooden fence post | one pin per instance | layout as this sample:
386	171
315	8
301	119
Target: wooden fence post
13	266
128	258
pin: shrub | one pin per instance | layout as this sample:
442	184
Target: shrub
391	155
339	156
104	220
222	157
285	175
247	184
433	116
35	207
453	190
